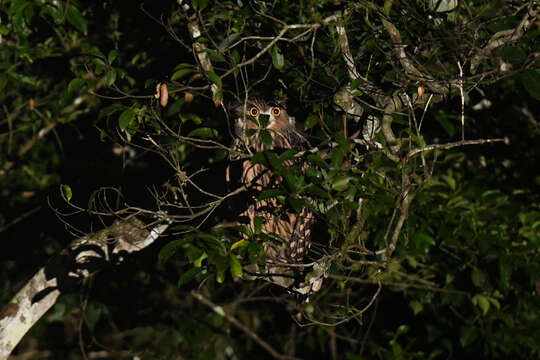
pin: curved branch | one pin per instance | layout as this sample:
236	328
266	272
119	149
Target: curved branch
42	290
406	63
505	37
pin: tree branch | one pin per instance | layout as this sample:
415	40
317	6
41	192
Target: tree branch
250	333
505	37
452	145
42	290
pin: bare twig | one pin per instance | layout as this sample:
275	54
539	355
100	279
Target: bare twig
277	38
460	84
250	333
356	314
20	218
451	145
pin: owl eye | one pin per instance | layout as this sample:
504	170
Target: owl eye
253	111
276	111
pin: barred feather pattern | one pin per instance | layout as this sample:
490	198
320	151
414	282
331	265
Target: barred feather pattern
293	228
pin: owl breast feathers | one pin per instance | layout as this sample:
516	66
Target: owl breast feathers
255	118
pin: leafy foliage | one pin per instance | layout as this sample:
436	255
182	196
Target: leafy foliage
431	250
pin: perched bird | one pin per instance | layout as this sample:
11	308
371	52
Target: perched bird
264	126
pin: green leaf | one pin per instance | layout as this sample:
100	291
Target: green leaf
200	4
75	18
204	132
51	11
277	58
343	142
113	54
297	204
402	329
216	56
183	66
311	121
67	192
313	173
267	194
317	190
287	155
250	132
176	107
244	230
337	158
422	242
419	140
4	30
192	252
450	181
259	158
29	12
495	303
74	85
177	75
191	117
416	306
257	224
468	335
397	349
513	53
262	120
236	268
256	253
17	9
198	261
340	182
109	110
111	77
239	244
93	313
91	199
266	137
356	82
125	118
531	82
273	161
482	302
169	250
315	159
188	275
214	78
221	266
478	277
442	5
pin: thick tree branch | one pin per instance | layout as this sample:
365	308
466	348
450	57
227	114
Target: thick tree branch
90	251
409	68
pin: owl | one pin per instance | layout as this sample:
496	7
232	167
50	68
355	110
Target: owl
257	119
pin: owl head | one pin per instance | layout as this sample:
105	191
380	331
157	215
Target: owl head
259	114
271	117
